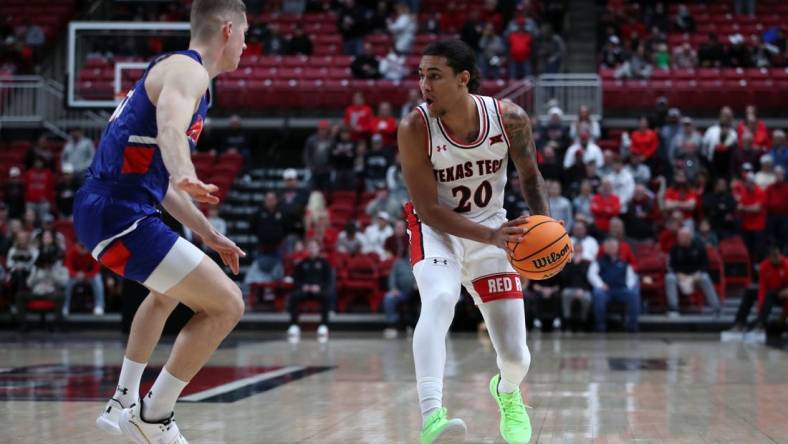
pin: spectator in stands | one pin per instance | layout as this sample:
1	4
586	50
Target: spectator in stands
520	48
544	302
513	201
399	241
78	151
34	38
14	193
684	57
432	25
612	278
585	122
343	158
386	125
392	67
46	280
270	225
299	43
640	172
554	129
683	21
719	144
235	139
40	150
719	207
312	279
492	53
396	183
682	197
265	269
605	205
669	129
357	117
584	151
685	149
472	29
582	201
756	127
777	209
401	290
779	151
352	25
560	207
376	164
65	188
668	237
575	287
687	270
414	100
772	290
376	234
762	53
625	251
20	260
49	242
551	51
39	188
580	236
641	214
738	54
273	42
549	164
402	28
752	214
613	54
746	154
706	235
637	66
83	270
292	202
216	221
661	57
365	64
350	240
766	176
711	53
622	182
317	156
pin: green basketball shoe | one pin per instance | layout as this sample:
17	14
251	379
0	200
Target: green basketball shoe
515	424
440	430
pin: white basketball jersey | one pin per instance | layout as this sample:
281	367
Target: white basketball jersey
471	177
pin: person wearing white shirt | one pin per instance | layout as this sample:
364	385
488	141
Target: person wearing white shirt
403	29
580	235
622	181
587	122
613	279
78	151
719	144
375	235
586	149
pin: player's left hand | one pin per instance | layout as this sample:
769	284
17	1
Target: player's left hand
229	252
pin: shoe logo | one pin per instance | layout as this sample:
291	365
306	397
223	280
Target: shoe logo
123	390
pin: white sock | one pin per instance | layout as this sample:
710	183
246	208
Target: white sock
160	400
430	396
128	389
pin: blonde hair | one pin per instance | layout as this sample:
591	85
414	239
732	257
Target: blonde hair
207	16
315	209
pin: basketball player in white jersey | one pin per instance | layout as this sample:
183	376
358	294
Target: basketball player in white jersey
454	150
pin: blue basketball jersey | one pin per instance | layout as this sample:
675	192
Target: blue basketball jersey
128	157
115	211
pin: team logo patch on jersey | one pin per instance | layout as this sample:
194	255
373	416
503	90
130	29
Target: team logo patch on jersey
194	131
496	139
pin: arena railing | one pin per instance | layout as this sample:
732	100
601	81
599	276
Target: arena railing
568	92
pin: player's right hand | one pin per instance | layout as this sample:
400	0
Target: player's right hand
197	189
509	232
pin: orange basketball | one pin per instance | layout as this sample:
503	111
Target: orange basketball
544	250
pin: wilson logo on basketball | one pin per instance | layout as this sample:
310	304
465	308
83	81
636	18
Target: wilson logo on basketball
551	259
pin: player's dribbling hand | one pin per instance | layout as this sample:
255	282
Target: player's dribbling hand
509	232
229	252
198	190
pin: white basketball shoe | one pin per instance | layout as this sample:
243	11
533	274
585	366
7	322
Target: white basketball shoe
108	419
143	432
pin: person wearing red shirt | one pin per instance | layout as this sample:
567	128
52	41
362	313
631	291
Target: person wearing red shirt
777	208
644	140
520	47
625	253
757	128
605	205
681	196
772	289
358	117
83	270
39	188
385	125
752	213
668	237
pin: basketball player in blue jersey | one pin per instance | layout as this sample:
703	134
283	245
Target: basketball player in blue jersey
144	160
454	149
